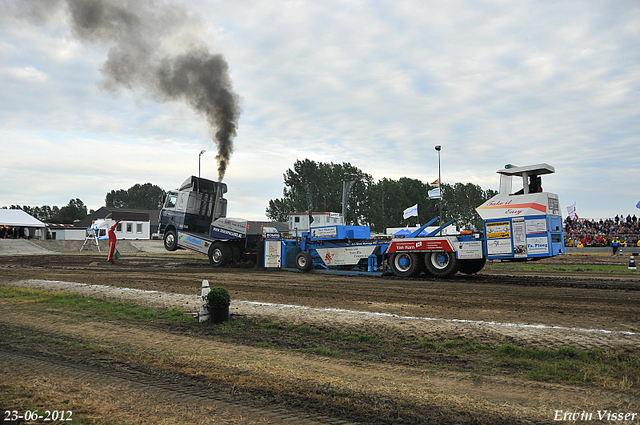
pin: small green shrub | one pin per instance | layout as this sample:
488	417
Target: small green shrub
218	297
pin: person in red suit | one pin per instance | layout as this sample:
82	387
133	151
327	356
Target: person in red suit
112	241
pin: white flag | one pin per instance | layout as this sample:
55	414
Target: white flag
571	209
411	211
434	193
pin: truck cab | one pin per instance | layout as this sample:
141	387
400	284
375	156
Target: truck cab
192	207
194	217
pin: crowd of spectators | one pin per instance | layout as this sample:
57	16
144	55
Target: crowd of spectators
8	232
621	230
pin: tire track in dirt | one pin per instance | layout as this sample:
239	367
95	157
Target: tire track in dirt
167	388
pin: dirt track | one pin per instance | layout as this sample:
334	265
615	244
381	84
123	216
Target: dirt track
588	301
567	308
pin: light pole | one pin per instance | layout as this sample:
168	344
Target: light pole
438	148
199	156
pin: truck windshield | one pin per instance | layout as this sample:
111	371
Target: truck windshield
170	202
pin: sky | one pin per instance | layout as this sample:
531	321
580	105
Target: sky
377	84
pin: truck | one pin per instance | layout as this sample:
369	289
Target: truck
194	217
525	225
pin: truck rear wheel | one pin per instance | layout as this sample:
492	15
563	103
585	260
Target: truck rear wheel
472	266
236	253
304	261
441	264
170	240
406	264
219	254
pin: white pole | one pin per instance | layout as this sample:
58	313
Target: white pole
204	311
199	156
441	213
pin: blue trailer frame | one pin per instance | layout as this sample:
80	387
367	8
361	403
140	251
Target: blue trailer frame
337	248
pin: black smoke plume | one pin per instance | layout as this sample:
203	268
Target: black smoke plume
154	46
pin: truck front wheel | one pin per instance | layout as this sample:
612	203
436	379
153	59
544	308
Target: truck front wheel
441	264
170	240
405	264
304	261
219	254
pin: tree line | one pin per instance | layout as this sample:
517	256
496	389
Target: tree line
74	210
139	197
376	204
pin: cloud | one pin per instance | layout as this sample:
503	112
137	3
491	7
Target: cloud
376	84
27	74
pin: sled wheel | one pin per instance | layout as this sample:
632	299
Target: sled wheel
405	264
303	261
441	264
472	266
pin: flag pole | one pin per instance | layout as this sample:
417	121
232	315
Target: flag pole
438	148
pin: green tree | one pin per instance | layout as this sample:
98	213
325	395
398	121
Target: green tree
74	210
325	181
43	213
379	205
117	199
462	200
139	196
279	209
387	200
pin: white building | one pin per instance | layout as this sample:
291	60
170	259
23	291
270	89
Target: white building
126	229
66	232
135	224
299	222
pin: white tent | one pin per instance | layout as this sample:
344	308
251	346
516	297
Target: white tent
19	218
